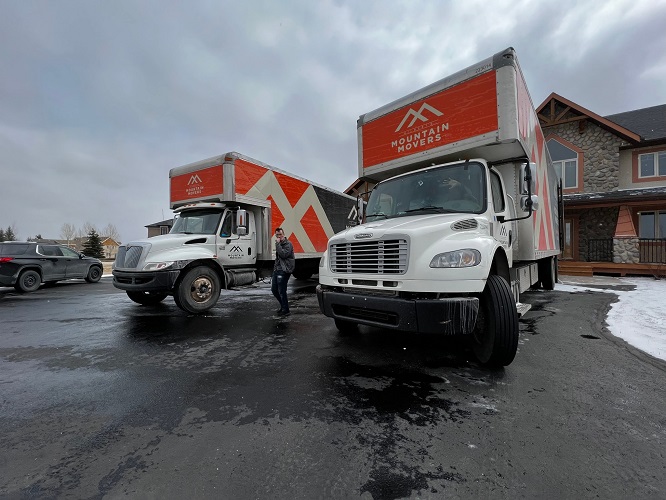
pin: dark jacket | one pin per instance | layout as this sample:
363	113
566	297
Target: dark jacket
284	257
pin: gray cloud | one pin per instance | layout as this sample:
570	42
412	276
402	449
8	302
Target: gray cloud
100	99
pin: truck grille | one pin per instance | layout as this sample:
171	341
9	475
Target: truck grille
128	257
369	257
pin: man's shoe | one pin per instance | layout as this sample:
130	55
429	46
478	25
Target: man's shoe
278	311
283	313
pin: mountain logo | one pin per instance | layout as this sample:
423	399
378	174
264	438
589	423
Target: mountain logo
195	179
418	115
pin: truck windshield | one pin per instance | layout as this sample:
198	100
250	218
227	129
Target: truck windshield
456	188
197	222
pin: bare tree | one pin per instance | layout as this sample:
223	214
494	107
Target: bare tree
67	232
85	230
110	231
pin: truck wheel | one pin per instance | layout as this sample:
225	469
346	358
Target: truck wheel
198	291
346	327
147	298
28	281
495	337
548	272
94	274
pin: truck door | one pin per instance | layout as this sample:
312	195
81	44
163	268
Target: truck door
501	231
233	249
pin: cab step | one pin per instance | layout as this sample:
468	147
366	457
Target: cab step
523	308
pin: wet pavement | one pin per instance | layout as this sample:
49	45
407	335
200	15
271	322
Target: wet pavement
102	398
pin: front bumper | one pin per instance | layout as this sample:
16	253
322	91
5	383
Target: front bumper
159	281
448	316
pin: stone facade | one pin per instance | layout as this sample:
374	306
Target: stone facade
626	251
596	224
601	154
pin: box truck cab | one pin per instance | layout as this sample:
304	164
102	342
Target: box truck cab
462	219
226	211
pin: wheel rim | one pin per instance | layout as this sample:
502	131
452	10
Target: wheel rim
201	289
95	273
29	281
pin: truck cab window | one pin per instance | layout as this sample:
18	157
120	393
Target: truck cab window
197	222
498	195
228	225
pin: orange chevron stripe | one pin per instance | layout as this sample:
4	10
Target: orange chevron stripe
247	175
292	188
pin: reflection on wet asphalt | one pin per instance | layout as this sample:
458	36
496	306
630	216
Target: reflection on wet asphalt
102	396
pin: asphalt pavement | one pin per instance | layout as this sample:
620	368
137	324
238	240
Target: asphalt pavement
102	398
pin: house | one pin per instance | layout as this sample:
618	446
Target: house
613	172
110	247
158	228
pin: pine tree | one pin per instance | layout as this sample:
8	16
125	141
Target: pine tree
93	246
9	234
2	235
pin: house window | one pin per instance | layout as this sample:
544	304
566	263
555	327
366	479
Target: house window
164	229
652	225
565	161
652	164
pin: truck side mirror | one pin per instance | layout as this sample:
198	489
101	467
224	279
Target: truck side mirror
528	186
241	222
360	208
532	205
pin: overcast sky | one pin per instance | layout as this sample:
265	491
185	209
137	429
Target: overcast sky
99	99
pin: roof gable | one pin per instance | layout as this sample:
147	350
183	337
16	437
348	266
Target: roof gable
556	110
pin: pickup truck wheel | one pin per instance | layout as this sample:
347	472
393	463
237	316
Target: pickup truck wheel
198	291
94	274
28	281
548	272
346	327
495	337
147	298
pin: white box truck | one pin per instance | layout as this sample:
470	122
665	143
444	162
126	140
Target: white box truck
227	209
463	216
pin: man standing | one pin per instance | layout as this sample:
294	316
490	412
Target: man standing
284	266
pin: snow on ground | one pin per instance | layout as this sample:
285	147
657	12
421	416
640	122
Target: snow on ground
639	316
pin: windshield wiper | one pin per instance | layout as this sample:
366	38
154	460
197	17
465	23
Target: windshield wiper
377	215
432	207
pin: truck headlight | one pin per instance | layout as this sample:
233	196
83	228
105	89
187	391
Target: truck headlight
158	266
467	257
322	261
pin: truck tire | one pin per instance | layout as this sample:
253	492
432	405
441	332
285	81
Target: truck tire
94	274
495	337
346	327
198	291
147	298
28	281
548	272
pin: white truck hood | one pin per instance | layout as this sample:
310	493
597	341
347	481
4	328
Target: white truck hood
170	241
404	225
172	247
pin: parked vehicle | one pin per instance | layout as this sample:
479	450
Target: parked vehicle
227	209
26	265
463	218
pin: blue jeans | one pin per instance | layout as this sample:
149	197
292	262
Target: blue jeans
279	288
